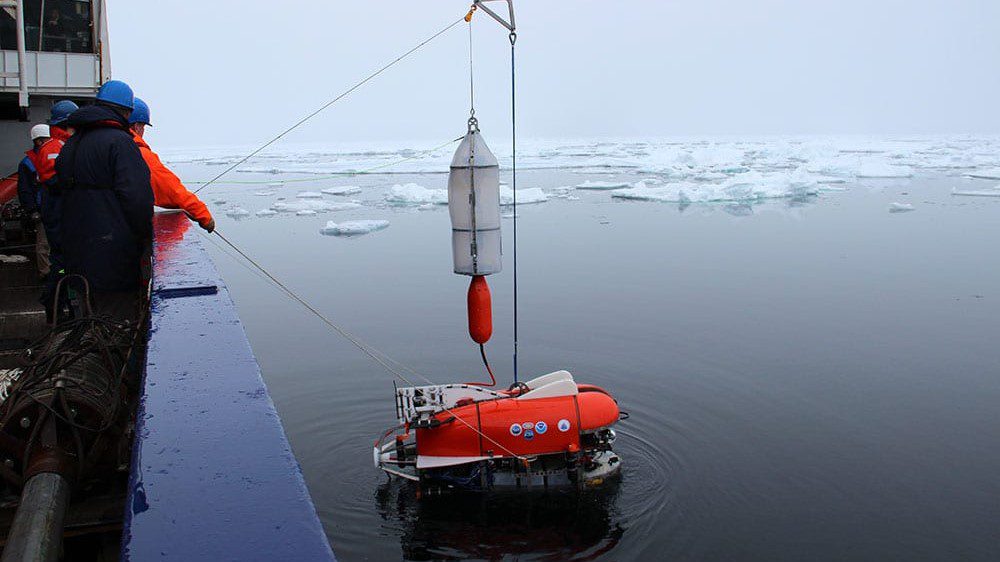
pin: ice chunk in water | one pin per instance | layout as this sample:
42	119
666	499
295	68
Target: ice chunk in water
305	212
342	190
871	168
743	187
900	207
309	195
13	259
995	192
353	228
990	174
264	193
414	194
219	201
266	213
237	212
602	185
524	196
314	205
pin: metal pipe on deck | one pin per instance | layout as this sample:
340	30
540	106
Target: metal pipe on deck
22	71
36	535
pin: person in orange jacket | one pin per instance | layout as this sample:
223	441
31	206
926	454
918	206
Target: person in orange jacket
168	190
49	201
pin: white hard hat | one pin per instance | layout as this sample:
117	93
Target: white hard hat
39	131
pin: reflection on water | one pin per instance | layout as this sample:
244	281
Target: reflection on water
529	526
808	378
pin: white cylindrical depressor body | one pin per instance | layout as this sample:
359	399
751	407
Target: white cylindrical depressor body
474	206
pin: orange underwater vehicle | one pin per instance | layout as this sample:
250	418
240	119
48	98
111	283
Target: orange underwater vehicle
547	432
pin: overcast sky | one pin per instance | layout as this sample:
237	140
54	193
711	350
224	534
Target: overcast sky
238	71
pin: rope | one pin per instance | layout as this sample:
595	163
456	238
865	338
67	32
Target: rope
513	180
472	81
366	349
333	101
371	352
333	175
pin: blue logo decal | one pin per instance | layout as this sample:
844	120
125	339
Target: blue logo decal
515	429
529	435
563	425
541	427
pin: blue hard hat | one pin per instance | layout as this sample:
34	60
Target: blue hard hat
61	110
140	113
116	92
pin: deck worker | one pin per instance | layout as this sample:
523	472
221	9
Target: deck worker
49	203
29	194
45	164
168	191
107	203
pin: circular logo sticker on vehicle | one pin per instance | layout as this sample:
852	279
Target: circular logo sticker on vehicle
529	435
541	427
528	425
515	429
563	425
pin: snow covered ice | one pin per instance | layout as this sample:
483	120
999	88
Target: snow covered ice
602	185
415	194
309	195
525	196
743	187
342	190
353	228
900	207
995	192
989	174
314	205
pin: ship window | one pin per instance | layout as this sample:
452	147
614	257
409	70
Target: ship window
63	26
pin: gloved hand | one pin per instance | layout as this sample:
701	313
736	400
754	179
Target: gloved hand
209	226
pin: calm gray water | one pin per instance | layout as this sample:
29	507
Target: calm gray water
809	378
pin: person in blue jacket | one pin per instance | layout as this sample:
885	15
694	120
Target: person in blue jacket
107	203
30	195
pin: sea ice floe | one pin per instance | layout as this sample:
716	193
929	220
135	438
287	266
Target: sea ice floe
995	192
266	213
900	207
990	174
309	195
602	185
879	169
414	194
314	205
13	258
525	196
237	212
265	193
305	213
342	190
353	228
743	187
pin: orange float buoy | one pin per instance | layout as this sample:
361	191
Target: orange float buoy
480	310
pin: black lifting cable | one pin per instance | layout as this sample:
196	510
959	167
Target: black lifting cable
513	180
331	102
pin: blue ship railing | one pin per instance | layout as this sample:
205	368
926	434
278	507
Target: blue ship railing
213	476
